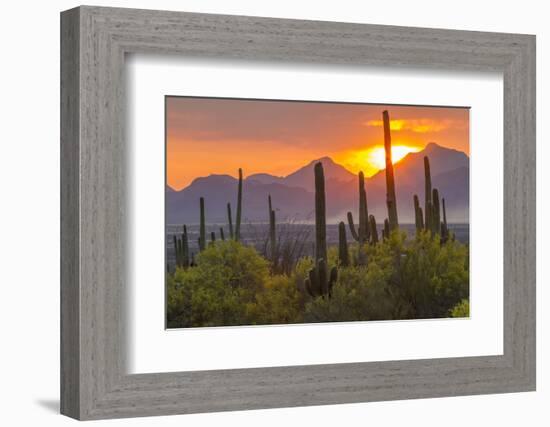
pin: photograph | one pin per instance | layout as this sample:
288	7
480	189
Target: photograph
284	212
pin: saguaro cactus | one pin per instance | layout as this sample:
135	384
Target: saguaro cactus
386	230
176	250
181	249
418	217
343	253
362	234
272	233
373	231
318	283
202	228
444	228
427	194
222	235
230	221
239	207
391	200
436	221
320	214
185	246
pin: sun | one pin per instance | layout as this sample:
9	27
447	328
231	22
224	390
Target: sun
376	156
373	159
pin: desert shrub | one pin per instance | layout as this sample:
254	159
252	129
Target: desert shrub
402	279
418	278
433	276
462	309
216	292
279	302
301	272
361	293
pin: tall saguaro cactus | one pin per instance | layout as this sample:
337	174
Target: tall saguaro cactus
343	252
319	282
427	194
230	221
320	214
202	227
391	200
272	233
239	207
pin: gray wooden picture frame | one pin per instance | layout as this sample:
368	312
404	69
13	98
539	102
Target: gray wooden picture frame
94	381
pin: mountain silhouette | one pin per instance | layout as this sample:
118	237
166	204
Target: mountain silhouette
302	178
293	195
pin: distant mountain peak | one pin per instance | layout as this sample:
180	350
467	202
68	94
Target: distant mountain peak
433	147
213	178
325	159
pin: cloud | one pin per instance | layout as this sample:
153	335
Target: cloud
415	125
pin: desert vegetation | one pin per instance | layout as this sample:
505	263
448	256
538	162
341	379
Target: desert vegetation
367	276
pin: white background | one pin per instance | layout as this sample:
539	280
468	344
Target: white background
29	177
152	349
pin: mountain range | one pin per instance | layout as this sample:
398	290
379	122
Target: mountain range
293	195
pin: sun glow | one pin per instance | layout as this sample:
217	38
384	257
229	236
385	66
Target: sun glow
376	156
373	159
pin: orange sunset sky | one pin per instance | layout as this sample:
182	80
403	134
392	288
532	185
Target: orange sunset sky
217	136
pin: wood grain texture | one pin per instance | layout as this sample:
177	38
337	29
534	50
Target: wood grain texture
94	382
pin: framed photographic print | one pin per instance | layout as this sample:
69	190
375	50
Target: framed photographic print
262	213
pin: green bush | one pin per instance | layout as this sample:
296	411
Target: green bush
402	279
462	309
216	292
279	302
433	276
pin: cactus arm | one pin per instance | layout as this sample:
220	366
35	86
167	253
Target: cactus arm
352	227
